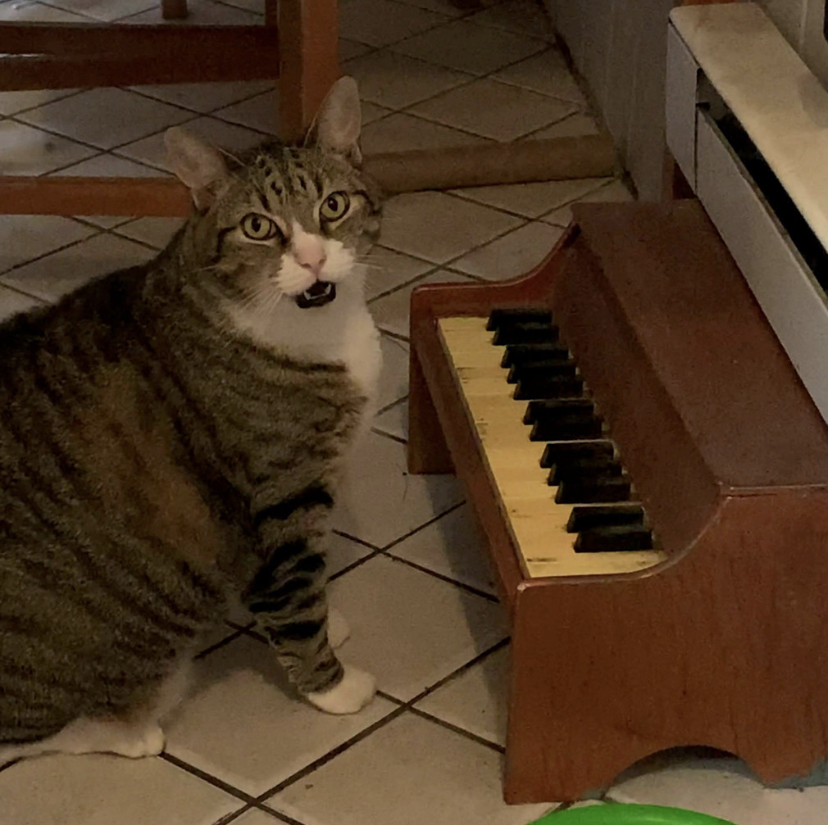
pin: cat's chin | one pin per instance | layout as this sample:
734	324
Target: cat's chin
318	295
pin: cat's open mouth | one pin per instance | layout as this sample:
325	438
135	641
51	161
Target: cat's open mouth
321	293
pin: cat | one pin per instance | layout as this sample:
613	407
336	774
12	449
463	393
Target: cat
172	437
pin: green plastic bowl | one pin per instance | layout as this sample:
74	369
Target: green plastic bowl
622	814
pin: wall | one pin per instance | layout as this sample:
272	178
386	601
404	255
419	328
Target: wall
619	46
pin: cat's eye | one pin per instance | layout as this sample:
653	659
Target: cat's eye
258	227
334	206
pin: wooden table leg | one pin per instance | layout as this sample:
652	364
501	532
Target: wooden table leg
308	33
173	9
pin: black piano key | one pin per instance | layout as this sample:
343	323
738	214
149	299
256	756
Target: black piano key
584	470
549	410
526	333
596	490
574	428
617	515
614	539
562	369
535	387
516	354
508	317
576	451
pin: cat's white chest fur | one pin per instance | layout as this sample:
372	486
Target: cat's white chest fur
342	331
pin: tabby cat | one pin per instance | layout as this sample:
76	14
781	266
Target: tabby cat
171	440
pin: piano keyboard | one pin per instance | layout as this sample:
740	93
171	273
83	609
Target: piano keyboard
570	504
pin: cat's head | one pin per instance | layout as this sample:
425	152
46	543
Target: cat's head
283	222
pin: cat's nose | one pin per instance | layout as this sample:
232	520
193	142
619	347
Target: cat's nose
313	263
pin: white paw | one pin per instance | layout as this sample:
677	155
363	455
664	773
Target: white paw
338	629
148	743
353	693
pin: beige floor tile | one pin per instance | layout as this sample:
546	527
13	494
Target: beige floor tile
380	503
256	6
513	255
494	110
386	270
228	136
260	113
23	237
255	817
531	199
401	132
477	700
545	73
13	102
411	629
392	312
12	302
425	773
201	13
156	232
108	165
25	150
453	547
393	382
206	97
371	112
38	13
394	80
106	117
103	790
66	270
445	7
572	126
519	16
349	49
438	227
469	48
342	552
723	788
381	22
245	725
613	192
394	420
105	10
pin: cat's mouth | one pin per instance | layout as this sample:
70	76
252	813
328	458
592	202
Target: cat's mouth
321	293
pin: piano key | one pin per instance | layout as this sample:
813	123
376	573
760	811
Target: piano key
544	547
575	451
566	408
546	387
584	470
526	333
624	538
530	353
596	490
510	317
564	369
591	516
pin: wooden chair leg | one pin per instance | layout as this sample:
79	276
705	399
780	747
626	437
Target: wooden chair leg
308	35
173	9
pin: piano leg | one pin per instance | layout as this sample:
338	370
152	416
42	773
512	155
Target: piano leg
427	449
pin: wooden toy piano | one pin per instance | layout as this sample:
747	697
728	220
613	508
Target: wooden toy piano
654	490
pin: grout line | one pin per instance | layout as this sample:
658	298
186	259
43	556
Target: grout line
443	577
391	436
23	293
354	565
456	729
234	815
200	113
387	407
206	777
422	526
225	641
347	745
358	540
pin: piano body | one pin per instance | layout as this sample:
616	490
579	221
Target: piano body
665	571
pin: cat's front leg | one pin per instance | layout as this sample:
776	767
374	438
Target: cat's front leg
289	602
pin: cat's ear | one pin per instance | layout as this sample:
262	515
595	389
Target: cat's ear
198	165
337	124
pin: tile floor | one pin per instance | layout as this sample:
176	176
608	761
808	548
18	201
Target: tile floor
407	564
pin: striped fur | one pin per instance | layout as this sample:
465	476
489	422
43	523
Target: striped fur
166	449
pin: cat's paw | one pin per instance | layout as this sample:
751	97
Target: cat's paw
149	742
338	629
351	695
